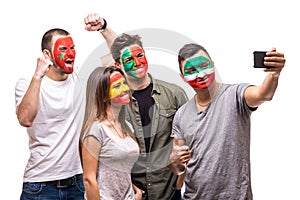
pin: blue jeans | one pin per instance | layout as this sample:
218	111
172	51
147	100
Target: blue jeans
52	191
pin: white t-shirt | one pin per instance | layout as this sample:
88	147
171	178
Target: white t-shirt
54	134
115	161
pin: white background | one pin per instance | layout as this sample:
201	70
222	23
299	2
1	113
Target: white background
230	30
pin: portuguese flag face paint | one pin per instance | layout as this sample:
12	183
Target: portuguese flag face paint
119	90
199	72
134	61
64	54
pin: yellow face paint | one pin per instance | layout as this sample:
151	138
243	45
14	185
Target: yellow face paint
118	85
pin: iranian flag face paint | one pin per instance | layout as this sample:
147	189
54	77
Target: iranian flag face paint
119	90
64	54
134	61
199	72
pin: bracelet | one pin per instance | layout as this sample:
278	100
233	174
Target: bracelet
103	27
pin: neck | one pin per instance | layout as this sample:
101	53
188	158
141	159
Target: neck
204	97
138	83
113	113
55	74
113	121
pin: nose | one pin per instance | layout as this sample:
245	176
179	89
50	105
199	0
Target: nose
137	62
201	74
71	53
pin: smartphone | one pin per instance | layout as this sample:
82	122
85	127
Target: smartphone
259	59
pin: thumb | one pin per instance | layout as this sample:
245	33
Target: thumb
175	140
273	49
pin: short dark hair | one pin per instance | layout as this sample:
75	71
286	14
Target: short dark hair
189	50
47	37
122	41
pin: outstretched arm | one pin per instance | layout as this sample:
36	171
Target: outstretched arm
256	95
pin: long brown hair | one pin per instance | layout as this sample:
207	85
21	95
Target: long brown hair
97	100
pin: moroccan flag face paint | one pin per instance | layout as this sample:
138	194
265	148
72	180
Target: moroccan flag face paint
134	61
119	90
199	72
64	54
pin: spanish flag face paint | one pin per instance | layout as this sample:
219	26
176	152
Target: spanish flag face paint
119	90
134	61
64	54
199	72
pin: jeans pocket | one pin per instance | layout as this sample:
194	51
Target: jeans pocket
80	186
32	188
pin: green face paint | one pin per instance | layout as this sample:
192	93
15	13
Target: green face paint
196	65
134	61
127	65
195	69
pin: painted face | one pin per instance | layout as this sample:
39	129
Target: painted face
134	61
119	90
64	54
199	72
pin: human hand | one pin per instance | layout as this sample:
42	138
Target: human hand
138	193
93	22
275	60
180	155
42	67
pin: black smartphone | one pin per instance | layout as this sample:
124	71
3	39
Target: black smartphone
259	59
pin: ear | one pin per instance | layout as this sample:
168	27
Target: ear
47	54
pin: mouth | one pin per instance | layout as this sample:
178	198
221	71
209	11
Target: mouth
69	63
139	68
125	94
202	80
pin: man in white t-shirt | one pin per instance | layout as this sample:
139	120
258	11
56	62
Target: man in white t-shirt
47	107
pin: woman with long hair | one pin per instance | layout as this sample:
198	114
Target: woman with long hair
108	146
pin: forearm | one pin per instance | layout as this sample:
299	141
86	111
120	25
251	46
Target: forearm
28	107
256	95
174	164
269	86
92	191
109	36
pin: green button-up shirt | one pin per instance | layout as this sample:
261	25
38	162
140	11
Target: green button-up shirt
151	172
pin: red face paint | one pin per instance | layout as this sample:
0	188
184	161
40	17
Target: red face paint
64	54
134	61
203	83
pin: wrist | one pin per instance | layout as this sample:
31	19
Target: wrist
103	27
275	74
38	76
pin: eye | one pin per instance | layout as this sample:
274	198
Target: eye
73	48
190	70
128	60
62	48
140	55
116	86
204	65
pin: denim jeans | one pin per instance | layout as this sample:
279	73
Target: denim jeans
45	191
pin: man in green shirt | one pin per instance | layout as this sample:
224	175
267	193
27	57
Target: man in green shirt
153	106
